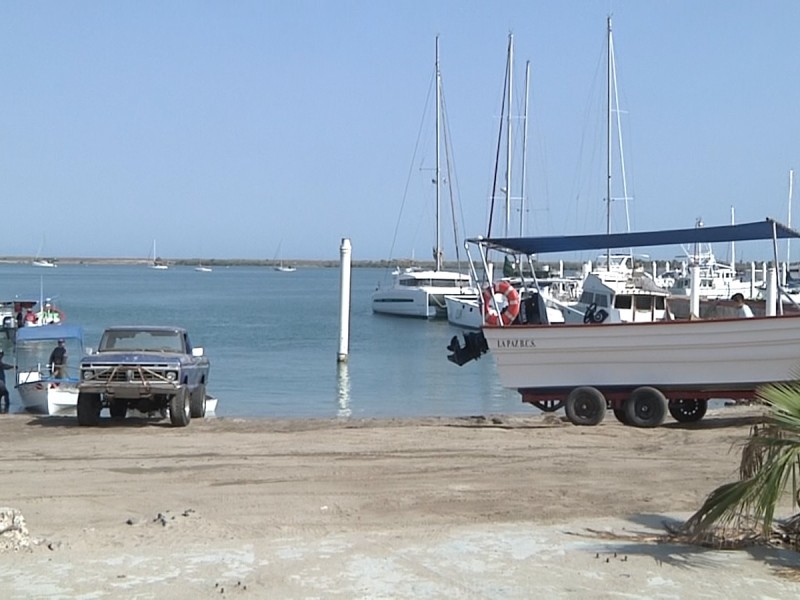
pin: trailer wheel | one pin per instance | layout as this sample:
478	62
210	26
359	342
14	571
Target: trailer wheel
621	415
585	406
548	405
688	411
646	407
88	409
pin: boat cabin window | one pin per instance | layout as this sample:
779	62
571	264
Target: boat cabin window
592	298
622	301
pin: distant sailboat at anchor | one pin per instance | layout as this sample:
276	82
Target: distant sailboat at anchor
157	263
280	266
38	261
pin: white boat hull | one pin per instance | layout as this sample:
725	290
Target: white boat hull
420	293
464	311
49	397
703	355
408	303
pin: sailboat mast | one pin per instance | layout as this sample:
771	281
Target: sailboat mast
510	75
608	142
438	249
789	218
524	151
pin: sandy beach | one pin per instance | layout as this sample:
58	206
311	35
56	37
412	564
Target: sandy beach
476	507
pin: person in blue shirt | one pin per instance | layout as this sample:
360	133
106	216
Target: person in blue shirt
5	396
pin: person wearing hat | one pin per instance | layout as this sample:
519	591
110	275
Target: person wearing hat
5	396
58	361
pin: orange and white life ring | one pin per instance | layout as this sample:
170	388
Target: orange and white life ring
511	310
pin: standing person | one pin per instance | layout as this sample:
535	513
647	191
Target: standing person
5	396
58	361
742	310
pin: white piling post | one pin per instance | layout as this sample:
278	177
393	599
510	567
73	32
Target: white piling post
772	292
694	294
344	291
561	269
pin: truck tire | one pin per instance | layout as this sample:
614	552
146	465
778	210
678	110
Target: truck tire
179	410
688	410
197	402
585	406
118	407
88	409
646	407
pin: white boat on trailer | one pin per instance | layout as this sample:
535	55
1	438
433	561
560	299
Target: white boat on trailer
640	370
42	388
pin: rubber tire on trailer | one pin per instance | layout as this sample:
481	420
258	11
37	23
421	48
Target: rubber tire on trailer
88	409
585	406
646	407
118	407
197	402
179	410
621	415
688	410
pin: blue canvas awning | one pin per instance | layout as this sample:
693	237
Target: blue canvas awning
762	230
50	332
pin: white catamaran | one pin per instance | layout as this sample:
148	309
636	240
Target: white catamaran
417	292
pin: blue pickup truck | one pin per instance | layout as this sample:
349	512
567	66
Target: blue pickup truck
153	370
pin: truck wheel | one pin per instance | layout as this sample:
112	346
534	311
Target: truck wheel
646	407
118	407
688	411
88	409
179	411
585	406
197	402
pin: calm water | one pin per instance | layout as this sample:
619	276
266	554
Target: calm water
272	339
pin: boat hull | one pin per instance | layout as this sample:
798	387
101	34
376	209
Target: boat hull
464	311
49	397
702	355
409	303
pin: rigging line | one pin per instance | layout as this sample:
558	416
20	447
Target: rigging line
497	152
451	177
411	166
589	109
623	174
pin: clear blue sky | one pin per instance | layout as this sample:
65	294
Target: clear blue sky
222	128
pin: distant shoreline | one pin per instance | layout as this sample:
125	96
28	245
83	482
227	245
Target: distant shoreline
227	262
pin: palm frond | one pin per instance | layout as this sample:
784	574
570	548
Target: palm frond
770	465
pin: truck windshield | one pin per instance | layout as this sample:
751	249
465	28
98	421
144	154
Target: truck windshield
155	341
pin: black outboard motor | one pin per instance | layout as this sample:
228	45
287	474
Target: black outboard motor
474	346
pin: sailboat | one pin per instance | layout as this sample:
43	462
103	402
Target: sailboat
421	292
280	266
38	261
157	263
622	290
